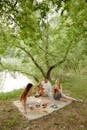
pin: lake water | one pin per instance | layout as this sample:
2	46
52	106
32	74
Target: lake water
11	81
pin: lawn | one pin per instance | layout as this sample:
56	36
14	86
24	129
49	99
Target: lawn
72	117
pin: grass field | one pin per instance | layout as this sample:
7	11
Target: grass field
72	117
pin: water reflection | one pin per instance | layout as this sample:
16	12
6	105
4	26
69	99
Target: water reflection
11	81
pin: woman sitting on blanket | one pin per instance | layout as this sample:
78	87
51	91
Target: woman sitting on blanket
24	95
44	88
40	90
58	94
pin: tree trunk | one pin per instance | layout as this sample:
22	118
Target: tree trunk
58	63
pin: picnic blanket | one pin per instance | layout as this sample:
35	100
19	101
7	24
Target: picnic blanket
36	107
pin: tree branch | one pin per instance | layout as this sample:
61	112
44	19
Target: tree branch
58	63
36	79
47	45
18	70
29	54
49	53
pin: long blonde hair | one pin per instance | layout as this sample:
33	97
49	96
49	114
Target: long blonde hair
57	82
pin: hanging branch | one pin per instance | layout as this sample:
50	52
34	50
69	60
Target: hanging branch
29	54
19	70
35	77
58	63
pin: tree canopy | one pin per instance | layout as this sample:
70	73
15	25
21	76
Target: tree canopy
42	36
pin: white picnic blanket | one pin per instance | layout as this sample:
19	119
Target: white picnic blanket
35	109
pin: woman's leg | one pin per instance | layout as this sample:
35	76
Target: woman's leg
67	98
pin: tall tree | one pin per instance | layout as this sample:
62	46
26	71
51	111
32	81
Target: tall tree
42	34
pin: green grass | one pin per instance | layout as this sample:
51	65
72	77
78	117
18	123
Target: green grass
10	95
77	85
72	117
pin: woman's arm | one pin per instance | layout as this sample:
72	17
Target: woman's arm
54	90
24	105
